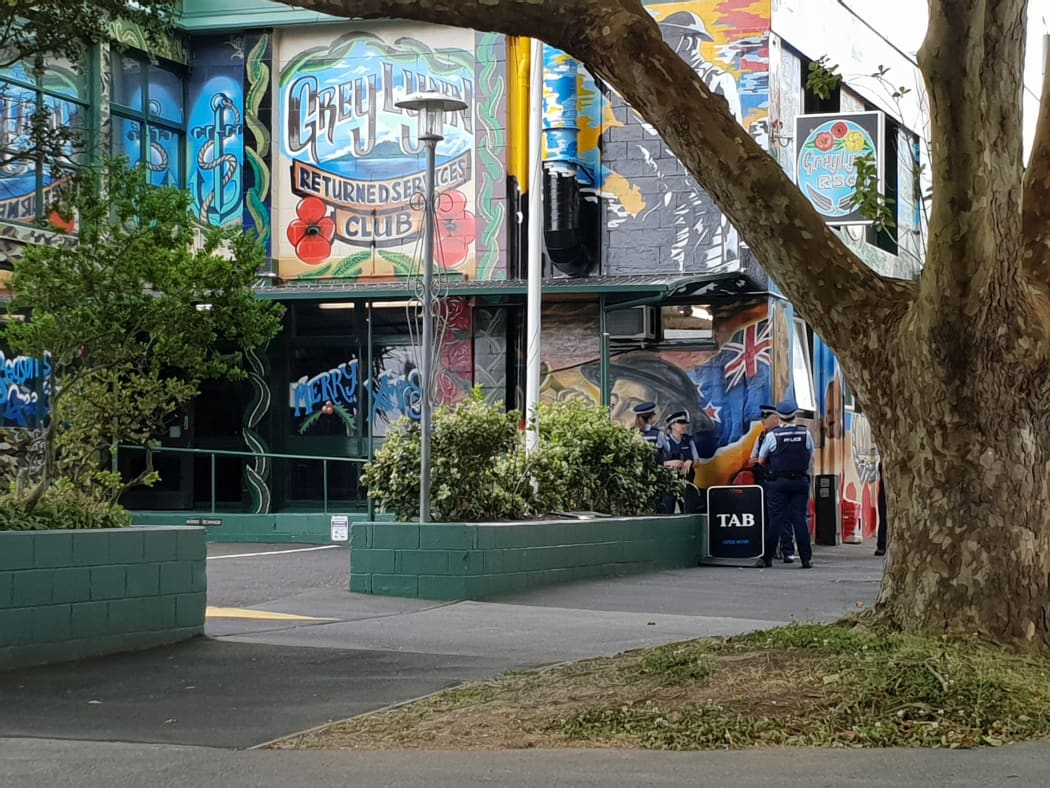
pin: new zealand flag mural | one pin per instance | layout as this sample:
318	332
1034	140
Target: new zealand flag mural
735	383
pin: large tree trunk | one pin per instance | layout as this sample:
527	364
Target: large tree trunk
952	370
966	459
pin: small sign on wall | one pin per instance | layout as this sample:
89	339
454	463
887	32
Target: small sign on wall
209	521
736	521
827	147
340	528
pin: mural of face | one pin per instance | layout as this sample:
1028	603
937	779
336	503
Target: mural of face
645	377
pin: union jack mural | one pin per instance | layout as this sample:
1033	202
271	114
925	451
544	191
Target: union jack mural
737	381
749	349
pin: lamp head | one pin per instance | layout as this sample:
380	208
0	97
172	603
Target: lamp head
433	106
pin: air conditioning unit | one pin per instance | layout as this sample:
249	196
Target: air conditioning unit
633	324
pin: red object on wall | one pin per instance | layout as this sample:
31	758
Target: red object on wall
869	511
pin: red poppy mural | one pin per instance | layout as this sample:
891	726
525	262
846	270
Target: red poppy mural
312	232
456	229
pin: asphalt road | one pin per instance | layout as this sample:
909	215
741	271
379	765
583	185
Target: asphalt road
243	575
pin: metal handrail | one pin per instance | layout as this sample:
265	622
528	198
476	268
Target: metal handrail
213	453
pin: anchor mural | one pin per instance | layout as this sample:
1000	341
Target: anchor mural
216	135
218	197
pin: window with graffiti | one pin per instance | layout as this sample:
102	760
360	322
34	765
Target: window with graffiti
216	124
57	96
24	389
325	391
333	393
149	122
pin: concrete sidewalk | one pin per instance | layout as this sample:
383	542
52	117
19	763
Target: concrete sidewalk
28	763
164	712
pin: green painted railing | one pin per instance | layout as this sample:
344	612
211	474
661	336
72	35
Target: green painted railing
213	453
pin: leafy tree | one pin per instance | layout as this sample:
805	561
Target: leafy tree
131	316
34	32
953	369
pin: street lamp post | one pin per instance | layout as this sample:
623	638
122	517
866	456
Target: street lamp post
432	107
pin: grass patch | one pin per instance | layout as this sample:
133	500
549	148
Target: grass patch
678	663
801	685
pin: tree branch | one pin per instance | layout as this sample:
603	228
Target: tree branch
621	43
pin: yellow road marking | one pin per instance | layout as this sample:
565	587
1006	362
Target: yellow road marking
265	615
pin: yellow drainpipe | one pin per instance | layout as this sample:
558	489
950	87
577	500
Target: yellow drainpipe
519	60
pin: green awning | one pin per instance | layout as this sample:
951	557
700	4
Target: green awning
614	288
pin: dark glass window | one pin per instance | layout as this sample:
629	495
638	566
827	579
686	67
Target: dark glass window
324	391
55	91
148	109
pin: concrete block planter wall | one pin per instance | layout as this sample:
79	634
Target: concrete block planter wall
478	560
279	528
71	594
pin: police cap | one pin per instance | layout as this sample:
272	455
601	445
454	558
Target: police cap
787	409
678	417
645	408
767	410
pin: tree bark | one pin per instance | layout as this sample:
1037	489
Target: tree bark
952	370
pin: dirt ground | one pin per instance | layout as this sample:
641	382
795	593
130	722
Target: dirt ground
527	710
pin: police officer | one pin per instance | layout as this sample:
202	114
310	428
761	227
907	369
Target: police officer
786	455
644	416
680	455
770	421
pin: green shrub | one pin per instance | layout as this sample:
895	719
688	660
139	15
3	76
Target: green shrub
607	467
63	506
479	470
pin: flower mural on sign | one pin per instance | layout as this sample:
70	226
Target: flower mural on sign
826	164
312	232
456	229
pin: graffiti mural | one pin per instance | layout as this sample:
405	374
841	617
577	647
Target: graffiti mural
846	447
351	164
257	150
722	388
215	134
24	387
655	211
395	385
19	96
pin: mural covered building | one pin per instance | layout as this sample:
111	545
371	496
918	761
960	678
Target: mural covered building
286	123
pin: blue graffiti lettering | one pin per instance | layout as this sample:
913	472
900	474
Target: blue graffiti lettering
20	379
337	385
20	406
395	393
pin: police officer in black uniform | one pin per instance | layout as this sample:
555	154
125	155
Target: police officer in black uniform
786	455
770	421
680	455
644	416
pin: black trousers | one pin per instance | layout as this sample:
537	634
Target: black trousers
880	534
692	503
